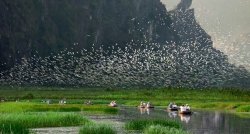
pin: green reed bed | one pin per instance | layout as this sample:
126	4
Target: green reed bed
15	107
11	107
13	128
35	120
125	94
93	128
145	123
159	129
244	108
98	109
223	99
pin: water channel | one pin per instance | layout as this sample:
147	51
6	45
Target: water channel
200	122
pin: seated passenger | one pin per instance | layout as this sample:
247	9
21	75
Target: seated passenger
174	106
149	105
187	107
182	108
170	105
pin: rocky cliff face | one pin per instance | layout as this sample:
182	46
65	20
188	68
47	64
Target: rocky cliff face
49	26
139	44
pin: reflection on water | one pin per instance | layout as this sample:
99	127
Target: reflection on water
172	114
200	122
185	118
145	110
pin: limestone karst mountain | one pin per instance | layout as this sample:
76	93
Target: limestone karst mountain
109	43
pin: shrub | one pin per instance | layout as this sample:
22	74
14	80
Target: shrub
28	96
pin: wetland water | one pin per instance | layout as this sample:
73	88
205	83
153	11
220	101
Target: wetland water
200	122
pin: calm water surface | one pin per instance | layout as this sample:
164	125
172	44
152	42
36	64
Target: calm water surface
200	122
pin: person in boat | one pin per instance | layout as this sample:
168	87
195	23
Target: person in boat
88	102
149	105
187	107
182	108
113	104
170	105
142	104
174	105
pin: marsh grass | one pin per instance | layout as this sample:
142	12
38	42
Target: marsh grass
124	94
16	107
244	108
222	99
144	123
47	119
100	109
92	128
159	129
13	128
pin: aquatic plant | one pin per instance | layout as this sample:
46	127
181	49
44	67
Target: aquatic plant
243	108
100	109
158	129
92	128
228	99
13	128
15	107
44	119
144	123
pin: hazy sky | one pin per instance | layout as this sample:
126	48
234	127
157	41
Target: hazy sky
224	15
227	21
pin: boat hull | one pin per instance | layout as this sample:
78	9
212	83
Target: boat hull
185	112
173	109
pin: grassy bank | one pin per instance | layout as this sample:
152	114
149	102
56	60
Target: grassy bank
159	129
155	126
93	128
46	119
223	99
145	123
19	123
13	128
16	107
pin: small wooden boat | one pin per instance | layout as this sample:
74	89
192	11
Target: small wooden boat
173	109
141	106
150	107
114	105
185	112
